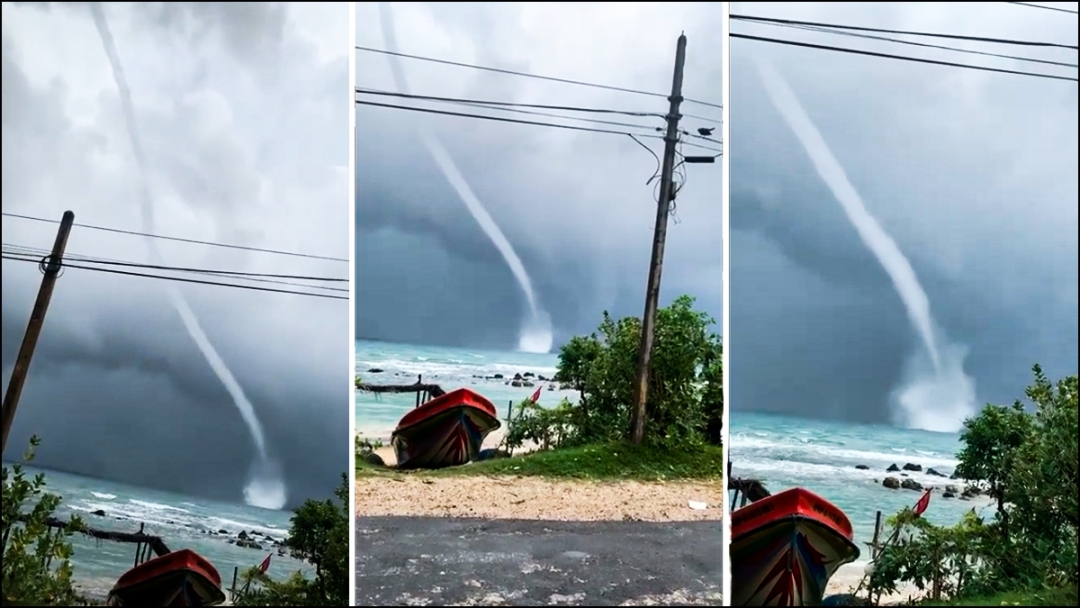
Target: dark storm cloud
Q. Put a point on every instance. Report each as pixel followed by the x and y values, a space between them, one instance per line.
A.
pixel 245 128
pixel 973 174
pixel 574 205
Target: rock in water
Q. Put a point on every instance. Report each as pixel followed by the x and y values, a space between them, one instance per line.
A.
pixel 892 483
pixel 862 467
pixel 911 484
pixel 892 468
pixel 917 468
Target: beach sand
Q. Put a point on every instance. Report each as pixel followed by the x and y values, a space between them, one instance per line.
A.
pixel 534 497
pixel 849 576
pixel 537 498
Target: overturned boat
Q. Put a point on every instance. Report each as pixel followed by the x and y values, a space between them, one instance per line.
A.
pixel 445 431
pixel 786 547
pixel 180 578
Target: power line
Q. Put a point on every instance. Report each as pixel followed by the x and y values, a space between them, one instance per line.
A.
pixel 38 253
pixel 826 30
pixel 900 57
pixel 233 273
pixel 527 75
pixel 905 32
pixel 517 121
pixel 480 104
pixel 181 240
pixel 504 103
pixel 496 118
pixel 18 258
pixel 1049 8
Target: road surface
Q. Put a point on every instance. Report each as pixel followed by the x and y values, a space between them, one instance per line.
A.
pixel 438 561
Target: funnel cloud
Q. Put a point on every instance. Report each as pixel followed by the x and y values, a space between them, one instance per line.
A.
pixel 210 121
pixel 573 209
pixel 971 175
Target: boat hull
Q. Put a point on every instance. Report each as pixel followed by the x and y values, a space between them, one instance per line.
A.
pixel 444 432
pixel 180 578
pixel 785 548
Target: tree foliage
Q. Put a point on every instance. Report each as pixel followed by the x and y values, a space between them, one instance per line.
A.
pixel 36 559
pixel 685 402
pixel 319 534
pixel 1026 459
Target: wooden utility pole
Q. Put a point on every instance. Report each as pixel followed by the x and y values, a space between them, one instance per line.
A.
pixel 652 290
pixel 50 267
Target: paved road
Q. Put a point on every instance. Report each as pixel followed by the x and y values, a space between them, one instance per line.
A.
pixel 435 561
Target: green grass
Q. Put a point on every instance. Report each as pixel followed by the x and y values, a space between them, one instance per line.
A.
pixel 1042 597
pixel 598 462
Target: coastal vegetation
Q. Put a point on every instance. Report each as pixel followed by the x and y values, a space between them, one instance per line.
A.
pixel 1024 457
pixel 589 438
pixel 37 567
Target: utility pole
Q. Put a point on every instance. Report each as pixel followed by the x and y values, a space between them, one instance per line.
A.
pixel 652 290
pixel 50 267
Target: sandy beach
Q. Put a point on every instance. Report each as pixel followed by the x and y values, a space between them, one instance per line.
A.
pixel 538 498
pixel 523 497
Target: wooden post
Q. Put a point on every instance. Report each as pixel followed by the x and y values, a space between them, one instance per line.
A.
pixel 656 263
pixel 235 574
pixel 509 412
pixel 50 267
pixel 874 549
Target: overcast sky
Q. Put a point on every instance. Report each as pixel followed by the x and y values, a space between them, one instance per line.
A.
pixel 244 120
pixel 575 206
pixel 973 174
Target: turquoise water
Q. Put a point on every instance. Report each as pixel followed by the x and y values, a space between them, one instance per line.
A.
pixel 181 522
pixel 377 415
pixel 821 456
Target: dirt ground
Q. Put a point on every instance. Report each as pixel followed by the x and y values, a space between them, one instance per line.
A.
pixel 537 498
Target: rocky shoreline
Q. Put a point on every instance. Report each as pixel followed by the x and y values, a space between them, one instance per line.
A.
pixel 244 539
pixel 958 489
pixel 518 380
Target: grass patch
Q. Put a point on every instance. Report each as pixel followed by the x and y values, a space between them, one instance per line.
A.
pixel 1041 597
pixel 618 461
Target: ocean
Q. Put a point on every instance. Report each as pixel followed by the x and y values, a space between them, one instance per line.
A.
pixel 821 456
pixel 450 368
pixel 181 522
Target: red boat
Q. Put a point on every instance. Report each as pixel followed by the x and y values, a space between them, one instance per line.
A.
pixel 786 547
pixel 180 578
pixel 444 432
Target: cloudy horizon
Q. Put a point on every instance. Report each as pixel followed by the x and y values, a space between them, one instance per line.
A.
pixel 574 206
pixel 972 173
pixel 242 114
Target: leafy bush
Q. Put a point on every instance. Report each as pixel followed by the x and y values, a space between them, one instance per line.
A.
pixel 685 402
pixel 30 576
pixel 1027 462
pixel 319 534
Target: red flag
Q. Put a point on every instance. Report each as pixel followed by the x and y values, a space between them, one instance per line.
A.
pixel 265 565
pixel 922 504
pixel 536 396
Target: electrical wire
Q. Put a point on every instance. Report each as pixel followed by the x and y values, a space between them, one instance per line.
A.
pixel 527 75
pixel 899 57
pixel 858 28
pixel 514 121
pixel 480 104
pixel 38 253
pixel 113 262
pixel 15 257
pixel 826 30
pixel 503 103
pixel 180 240
pixel 1049 8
